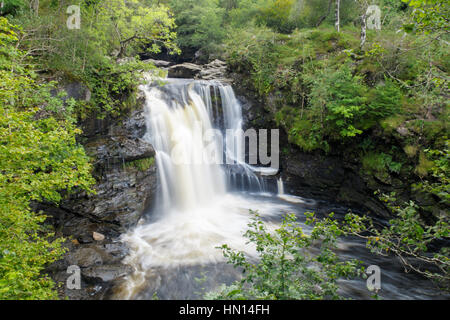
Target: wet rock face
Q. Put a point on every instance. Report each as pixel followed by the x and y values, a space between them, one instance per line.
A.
pixel 124 188
pixel 127 149
pixel 121 197
pixel 158 63
pixel 125 172
pixel 329 178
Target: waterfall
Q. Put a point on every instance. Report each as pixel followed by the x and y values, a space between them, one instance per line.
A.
pixel 202 203
pixel 289 197
pixel 176 116
pixel 179 114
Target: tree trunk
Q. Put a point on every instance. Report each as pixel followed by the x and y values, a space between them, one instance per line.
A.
pixel 35 6
pixel 337 19
pixel 326 15
pixel 363 30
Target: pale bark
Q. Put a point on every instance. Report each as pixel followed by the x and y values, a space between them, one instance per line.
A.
pixel 337 18
pixel 363 30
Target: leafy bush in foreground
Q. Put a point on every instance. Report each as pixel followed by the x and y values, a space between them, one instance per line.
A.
pixel 291 264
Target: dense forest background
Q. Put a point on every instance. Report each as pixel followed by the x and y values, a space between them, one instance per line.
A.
pixel 378 98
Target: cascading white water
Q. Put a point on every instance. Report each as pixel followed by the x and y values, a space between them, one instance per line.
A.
pixel 280 186
pixel 242 174
pixel 291 198
pixel 178 115
pixel 175 126
pixel 195 212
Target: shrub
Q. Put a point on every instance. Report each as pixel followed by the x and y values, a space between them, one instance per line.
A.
pixel 379 163
pixel 285 268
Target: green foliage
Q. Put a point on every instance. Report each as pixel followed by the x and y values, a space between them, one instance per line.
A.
pixel 341 107
pixel 439 182
pixel 11 6
pixel 409 238
pixel 380 163
pixel 137 23
pixel 338 102
pixel 324 101
pixel 141 164
pixel 39 157
pixel 410 150
pixel 24 250
pixel 204 24
pixel 98 53
pixel 423 166
pixel 276 15
pixel 391 123
pixel 429 16
pixel 286 267
pixel 385 100
pixel 114 85
pixel 199 24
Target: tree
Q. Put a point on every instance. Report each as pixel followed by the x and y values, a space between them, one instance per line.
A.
pixel 133 22
pixel 322 18
pixel 199 24
pixel 39 157
pixel 362 6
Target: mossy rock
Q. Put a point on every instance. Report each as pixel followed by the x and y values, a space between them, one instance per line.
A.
pixel 141 164
pixel 431 129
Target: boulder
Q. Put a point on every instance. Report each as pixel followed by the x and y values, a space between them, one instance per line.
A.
pixel 215 70
pixel 185 70
pixel 106 273
pixel 100 267
pixel 77 90
pixel 158 63
pixel 98 236
pixel 85 257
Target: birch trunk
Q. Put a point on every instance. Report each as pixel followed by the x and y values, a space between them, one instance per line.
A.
pixel 363 30
pixel 337 18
